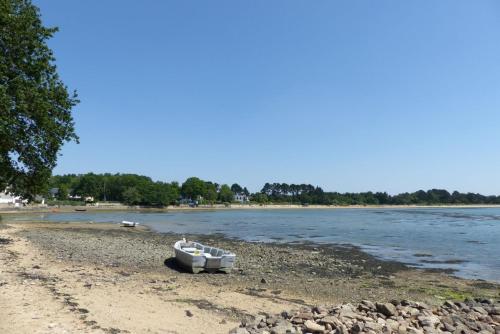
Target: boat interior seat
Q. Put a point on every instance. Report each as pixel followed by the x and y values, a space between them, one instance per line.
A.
pixel 189 249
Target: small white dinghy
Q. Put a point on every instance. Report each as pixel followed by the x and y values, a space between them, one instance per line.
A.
pixel 129 224
pixel 197 257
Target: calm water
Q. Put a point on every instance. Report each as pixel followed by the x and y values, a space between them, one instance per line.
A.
pixel 466 240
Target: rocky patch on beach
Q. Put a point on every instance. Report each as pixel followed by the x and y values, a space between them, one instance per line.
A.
pixel 299 273
pixel 470 316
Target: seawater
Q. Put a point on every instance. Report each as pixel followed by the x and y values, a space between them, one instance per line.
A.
pixel 464 240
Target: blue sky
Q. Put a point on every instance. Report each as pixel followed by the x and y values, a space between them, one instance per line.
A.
pixel 350 95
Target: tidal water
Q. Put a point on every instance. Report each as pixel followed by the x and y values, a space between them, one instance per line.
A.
pixel 464 240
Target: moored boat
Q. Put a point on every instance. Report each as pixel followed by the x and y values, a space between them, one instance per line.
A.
pixel 196 257
pixel 129 224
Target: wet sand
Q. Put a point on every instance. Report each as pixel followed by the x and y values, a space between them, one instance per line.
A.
pixel 81 277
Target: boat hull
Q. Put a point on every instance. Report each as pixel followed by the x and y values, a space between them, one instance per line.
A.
pixel 196 257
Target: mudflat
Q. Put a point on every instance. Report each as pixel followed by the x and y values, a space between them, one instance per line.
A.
pixel 91 278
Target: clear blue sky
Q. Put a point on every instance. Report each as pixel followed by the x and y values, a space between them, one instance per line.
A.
pixel 350 95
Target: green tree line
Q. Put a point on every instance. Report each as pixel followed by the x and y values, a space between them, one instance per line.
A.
pixel 306 193
pixel 135 189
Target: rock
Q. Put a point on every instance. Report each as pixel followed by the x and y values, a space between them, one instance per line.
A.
pixel 412 330
pixel 386 309
pixel 393 325
pixel 239 330
pixel 450 305
pixel 263 281
pixel 189 313
pixel 479 309
pixel 428 321
pixel 357 327
pixel 282 327
pixel 331 320
pixel 368 304
pixel 314 327
pixel 399 318
pixel 373 326
pixel 495 310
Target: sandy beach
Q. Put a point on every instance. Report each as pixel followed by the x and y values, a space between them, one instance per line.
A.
pixel 92 278
pixel 99 207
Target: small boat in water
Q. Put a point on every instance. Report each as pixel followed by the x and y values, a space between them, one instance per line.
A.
pixel 197 257
pixel 81 210
pixel 129 224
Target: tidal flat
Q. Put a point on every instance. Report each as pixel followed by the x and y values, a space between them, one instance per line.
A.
pixel 112 279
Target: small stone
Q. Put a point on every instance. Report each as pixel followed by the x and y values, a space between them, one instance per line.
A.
pixel 314 327
pixel 189 313
pixel 386 309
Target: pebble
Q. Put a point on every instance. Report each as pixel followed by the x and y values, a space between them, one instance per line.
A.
pixel 405 317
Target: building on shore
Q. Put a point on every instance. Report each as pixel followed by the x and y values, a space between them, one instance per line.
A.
pixel 9 199
pixel 241 197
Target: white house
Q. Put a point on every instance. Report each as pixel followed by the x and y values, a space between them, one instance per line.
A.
pixel 6 198
pixel 240 197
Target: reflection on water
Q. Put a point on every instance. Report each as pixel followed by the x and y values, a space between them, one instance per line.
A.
pixel 465 240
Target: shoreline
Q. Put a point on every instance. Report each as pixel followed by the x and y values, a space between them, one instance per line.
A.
pixel 221 207
pixel 104 278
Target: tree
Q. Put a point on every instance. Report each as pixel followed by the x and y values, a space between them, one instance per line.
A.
pixel 62 193
pixel 225 193
pixel 131 196
pixel 210 193
pixel 35 105
pixel 260 198
pixel 236 188
pixel 193 188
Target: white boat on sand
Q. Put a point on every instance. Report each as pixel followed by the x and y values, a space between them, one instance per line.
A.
pixel 197 257
pixel 129 224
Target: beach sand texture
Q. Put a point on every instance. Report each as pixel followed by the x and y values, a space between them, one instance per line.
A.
pixel 92 278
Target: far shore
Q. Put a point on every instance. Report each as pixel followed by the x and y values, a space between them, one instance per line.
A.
pixel 120 207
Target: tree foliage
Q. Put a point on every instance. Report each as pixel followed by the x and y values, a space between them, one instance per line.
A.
pixel 35 105
pixel 226 194
pixel 193 188
pixel 135 189
pixel 130 189
pixel 306 193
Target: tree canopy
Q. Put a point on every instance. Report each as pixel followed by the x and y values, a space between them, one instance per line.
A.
pixel 35 105
pixel 130 189
pixel 135 189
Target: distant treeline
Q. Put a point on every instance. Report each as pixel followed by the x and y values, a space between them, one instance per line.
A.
pixel 135 189
pixel 306 193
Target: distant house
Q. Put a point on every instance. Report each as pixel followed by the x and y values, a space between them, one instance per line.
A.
pixel 240 197
pixel 6 198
